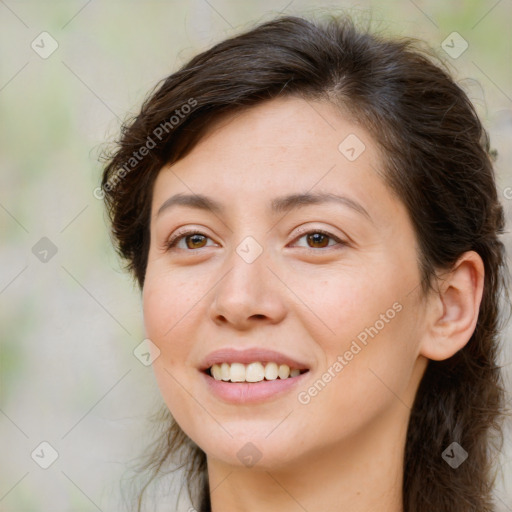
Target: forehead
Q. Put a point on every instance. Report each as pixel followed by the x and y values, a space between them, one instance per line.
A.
pixel 289 126
pixel 284 145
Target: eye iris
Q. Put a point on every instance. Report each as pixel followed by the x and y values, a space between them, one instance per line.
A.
pixel 197 239
pixel 318 238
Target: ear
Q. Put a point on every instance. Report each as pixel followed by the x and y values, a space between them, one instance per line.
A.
pixel 454 308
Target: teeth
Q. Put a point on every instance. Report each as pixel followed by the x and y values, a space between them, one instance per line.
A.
pixel 271 371
pixel 253 372
pixel 284 371
pixel 216 372
pixel 237 372
pixel 224 371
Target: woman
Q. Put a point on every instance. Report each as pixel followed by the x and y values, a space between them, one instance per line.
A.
pixel 311 214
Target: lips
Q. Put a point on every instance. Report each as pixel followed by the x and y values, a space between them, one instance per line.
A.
pixel 230 355
pixel 253 392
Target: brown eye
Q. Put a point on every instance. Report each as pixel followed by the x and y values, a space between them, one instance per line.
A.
pixel 195 241
pixel 188 240
pixel 318 240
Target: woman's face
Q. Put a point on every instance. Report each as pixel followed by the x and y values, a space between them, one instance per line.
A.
pixel 330 283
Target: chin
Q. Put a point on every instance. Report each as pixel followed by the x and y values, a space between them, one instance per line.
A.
pixel 249 457
pixel 253 453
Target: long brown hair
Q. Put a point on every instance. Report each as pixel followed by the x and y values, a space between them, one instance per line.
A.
pixel 438 163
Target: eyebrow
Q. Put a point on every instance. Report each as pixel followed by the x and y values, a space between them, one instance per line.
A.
pixel 278 205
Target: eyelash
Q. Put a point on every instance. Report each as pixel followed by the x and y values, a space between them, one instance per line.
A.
pixel 172 242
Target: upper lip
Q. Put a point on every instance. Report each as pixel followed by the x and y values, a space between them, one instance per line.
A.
pixel 231 355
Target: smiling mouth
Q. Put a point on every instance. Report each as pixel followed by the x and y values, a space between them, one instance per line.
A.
pixel 253 372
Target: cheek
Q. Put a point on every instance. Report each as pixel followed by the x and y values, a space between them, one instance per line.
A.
pixel 359 383
pixel 168 298
pixel 349 302
pixel 368 349
pixel 168 308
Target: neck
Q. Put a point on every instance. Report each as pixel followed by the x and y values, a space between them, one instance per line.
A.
pixel 359 474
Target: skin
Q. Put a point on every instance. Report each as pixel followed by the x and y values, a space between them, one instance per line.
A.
pixel 343 449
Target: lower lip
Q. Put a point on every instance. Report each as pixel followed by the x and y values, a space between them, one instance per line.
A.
pixel 251 392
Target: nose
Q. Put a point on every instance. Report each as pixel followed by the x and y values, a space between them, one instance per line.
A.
pixel 248 294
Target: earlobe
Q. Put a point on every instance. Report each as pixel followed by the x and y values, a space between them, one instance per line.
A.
pixel 454 308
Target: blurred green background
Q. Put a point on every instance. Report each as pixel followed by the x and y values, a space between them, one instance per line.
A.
pixel 70 318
